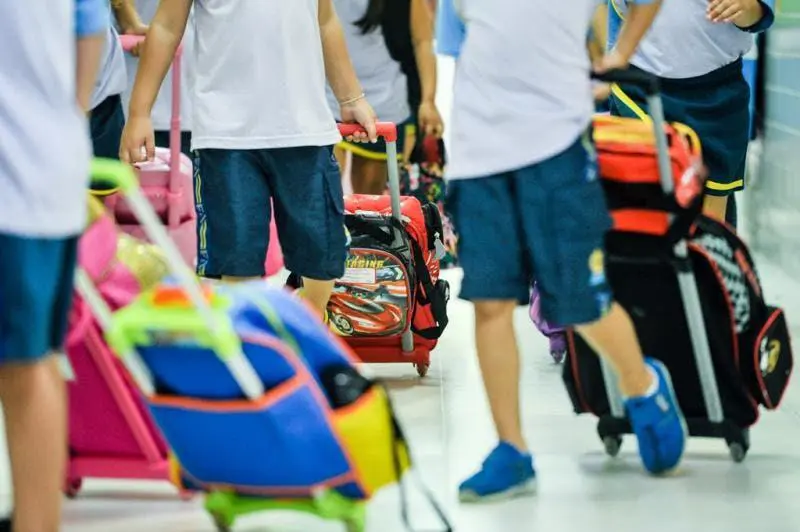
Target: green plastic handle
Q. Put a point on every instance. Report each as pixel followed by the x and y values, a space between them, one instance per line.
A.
pixel 113 172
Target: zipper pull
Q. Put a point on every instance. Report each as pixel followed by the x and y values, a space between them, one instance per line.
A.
pixel 439 247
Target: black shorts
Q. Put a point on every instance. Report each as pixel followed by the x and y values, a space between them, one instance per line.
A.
pixel 716 107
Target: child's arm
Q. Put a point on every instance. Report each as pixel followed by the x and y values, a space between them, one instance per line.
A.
pixel 163 38
pixel 450 30
pixel 128 18
pixel 749 15
pixel 91 23
pixel 641 14
pixel 341 74
pixel 422 35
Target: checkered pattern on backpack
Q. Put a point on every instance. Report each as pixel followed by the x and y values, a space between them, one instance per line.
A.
pixel 732 275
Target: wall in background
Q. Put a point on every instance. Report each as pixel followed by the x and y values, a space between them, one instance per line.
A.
pixel 773 193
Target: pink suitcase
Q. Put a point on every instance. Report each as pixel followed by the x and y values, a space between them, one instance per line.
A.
pixel 166 181
pixel 111 433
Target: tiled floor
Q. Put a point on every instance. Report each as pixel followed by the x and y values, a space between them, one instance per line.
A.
pixel 580 489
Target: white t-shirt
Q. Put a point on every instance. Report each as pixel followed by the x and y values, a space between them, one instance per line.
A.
pixel 260 76
pixel 111 76
pixel 44 137
pixel 683 43
pixel 381 76
pixel 162 109
pixel 522 89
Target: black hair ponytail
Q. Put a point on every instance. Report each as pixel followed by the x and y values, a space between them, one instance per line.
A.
pixel 373 17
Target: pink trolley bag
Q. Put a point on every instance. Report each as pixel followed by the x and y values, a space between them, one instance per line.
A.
pixel 111 432
pixel 166 180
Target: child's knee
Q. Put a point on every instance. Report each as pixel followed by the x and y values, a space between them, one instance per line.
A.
pixel 493 310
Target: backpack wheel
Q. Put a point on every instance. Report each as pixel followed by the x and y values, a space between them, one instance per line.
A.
pixel 73 487
pixel 612 445
pixel 737 451
pixel 422 369
pixel 222 524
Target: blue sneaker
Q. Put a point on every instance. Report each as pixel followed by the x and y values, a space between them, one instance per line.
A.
pixel 658 423
pixel 504 474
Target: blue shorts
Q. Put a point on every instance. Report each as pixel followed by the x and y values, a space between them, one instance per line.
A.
pixel 547 221
pixel 233 189
pixel 36 283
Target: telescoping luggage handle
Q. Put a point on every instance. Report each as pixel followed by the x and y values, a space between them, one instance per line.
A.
pixel 685 274
pixel 388 131
pixel 128 43
pixel 232 356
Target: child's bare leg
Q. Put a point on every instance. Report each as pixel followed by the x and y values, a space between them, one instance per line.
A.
pixel 368 175
pixel 317 293
pixel 650 400
pixel 499 361
pixel 34 405
pixel 614 338
pixel 715 207
pixel 231 279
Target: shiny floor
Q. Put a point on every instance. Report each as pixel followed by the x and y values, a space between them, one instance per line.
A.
pixel 580 488
pixel 448 423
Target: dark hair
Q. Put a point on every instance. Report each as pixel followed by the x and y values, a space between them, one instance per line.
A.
pixel 372 18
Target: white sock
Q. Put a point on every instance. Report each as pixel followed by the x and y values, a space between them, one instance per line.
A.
pixel 653 389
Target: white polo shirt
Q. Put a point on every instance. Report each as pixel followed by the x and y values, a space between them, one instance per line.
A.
pixel 260 76
pixel 522 90
pixel 44 137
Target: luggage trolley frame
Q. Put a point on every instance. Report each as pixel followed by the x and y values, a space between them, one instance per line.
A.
pixel 611 427
pixel 223 506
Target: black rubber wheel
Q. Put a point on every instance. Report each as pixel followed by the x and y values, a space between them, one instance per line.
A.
pixel 612 445
pixel 737 451
pixel 72 488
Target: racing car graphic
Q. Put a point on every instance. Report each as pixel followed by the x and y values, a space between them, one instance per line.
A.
pixel 357 316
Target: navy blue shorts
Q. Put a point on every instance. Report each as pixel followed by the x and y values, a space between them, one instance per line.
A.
pixel 547 221
pixel 716 107
pixel 233 190
pixel 36 283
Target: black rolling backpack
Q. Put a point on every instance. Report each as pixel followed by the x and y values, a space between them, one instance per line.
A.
pixel 689 284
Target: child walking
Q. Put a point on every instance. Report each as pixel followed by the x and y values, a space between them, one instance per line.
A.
pixel 262 130
pixel 696 48
pixel 520 154
pixel 394 97
pixel 42 211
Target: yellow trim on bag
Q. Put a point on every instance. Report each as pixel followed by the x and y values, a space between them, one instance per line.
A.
pixel 629 103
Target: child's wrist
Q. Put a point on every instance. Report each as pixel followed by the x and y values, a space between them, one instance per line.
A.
pixel 343 102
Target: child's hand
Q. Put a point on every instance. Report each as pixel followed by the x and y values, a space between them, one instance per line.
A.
pixel 138 141
pixel 360 112
pixel 429 120
pixel 613 60
pixel 743 13
pixel 601 91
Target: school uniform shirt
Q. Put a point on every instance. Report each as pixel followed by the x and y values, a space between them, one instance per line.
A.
pixel 111 76
pixel 162 108
pixel 44 137
pixel 522 89
pixel 259 76
pixel 682 42
pixel 380 75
